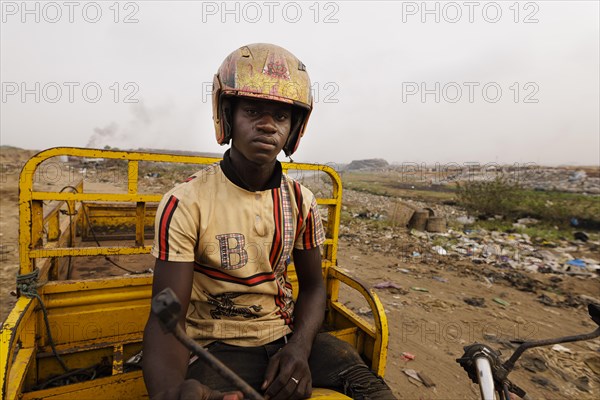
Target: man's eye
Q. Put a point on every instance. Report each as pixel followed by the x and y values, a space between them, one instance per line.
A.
pixel 251 112
pixel 282 117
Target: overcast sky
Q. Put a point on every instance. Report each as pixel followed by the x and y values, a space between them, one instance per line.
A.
pixel 431 82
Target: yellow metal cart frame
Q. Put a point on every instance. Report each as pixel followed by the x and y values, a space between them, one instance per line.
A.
pixel 102 319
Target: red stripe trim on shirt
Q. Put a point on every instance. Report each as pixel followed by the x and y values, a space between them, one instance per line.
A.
pixel 308 231
pixel 277 234
pixel 219 275
pixel 163 233
pixel 298 196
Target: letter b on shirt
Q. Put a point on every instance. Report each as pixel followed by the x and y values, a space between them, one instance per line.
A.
pixel 233 254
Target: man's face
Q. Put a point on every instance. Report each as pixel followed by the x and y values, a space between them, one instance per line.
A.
pixel 260 128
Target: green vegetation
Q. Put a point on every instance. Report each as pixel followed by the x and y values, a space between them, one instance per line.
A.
pixel 500 197
pixel 390 184
pixel 509 201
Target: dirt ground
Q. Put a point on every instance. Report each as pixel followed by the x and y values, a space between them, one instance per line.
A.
pixel 427 315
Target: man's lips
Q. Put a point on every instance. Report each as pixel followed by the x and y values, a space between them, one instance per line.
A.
pixel 266 142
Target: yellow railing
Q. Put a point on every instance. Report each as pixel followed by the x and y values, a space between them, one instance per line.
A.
pixel 31 227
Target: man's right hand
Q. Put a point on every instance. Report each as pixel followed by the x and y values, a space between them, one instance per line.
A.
pixel 191 389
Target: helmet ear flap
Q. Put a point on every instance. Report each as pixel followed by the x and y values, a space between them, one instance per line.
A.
pixel 227 117
pixel 298 120
pixel 217 112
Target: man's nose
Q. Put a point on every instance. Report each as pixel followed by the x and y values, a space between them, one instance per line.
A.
pixel 266 123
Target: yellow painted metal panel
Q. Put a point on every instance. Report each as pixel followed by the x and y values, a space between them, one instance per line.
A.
pixel 123 387
pixel 320 393
pixel 88 251
pixel 18 372
pixel 124 197
pixel 140 211
pixel 54 226
pixel 37 222
pixel 104 322
pixel 18 329
pixel 98 297
pixel 132 177
pixel 123 282
pixel 355 318
pixel 93 344
pixel 117 364
pixel 379 316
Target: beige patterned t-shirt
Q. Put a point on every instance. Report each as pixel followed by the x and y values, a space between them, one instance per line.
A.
pixel 241 243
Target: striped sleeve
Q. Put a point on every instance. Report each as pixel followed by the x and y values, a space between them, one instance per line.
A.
pixel 175 231
pixel 310 232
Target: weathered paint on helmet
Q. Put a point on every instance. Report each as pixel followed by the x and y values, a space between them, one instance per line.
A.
pixel 264 71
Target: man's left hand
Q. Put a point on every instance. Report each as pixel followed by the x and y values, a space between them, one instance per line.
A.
pixel 288 375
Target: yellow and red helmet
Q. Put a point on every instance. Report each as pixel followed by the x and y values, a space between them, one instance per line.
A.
pixel 263 71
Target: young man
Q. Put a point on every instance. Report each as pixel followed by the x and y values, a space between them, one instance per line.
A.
pixel 223 242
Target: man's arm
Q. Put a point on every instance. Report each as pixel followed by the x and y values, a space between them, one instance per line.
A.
pixel 292 360
pixel 165 359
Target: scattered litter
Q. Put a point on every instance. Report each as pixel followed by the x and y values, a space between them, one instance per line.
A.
pixel 577 263
pixel 419 289
pixel 440 250
pixel 534 364
pixel 527 221
pixel 465 220
pixel 577 176
pixel 561 349
pixel 594 364
pixel 365 311
pixel 416 254
pixel 489 282
pixel 574 221
pixel 426 380
pixel 544 382
pixel 387 285
pixel 413 374
pixel 406 356
pixel 581 236
pixel 546 300
pixel 440 279
pixel 501 302
pixel 516 225
pixel 420 235
pixel 404 270
pixel 475 301
pixel 582 383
